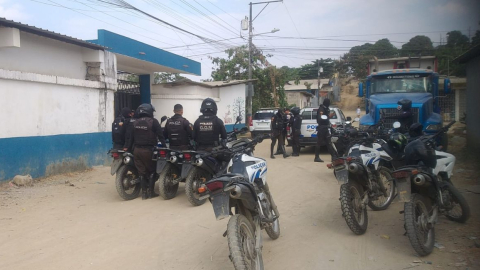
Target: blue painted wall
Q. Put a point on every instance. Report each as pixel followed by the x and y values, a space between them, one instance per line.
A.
pixel 123 45
pixel 42 155
pixel 145 96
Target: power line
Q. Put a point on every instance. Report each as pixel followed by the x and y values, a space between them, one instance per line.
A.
pixel 285 5
pixel 215 15
pixel 223 10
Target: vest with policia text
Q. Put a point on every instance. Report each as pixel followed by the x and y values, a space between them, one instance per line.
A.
pixel 176 131
pixel 143 134
pixel 208 130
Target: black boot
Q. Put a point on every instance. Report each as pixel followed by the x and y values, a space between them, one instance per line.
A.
pixel 151 188
pixel 285 155
pixel 332 151
pixel 317 154
pixel 143 185
pixel 271 151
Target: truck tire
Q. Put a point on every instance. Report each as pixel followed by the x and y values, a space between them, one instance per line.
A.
pixel 165 187
pixel 125 174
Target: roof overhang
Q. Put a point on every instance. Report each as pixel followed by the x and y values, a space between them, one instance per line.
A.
pixel 213 84
pixel 402 59
pixel 136 57
pixel 472 53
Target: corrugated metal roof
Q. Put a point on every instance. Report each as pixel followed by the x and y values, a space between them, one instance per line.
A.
pixel 49 34
pixel 291 86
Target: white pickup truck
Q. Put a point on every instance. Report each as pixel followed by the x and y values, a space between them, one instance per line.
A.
pixel 309 124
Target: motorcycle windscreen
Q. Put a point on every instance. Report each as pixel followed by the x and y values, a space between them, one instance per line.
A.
pixel 221 205
pixel 161 165
pixel 404 188
pixel 341 174
pixel 115 165
pixel 186 167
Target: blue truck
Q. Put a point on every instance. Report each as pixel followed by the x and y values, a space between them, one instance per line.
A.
pixel 385 88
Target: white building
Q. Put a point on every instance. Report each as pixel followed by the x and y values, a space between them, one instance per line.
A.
pixel 57 94
pixel 422 62
pixel 229 96
pixel 304 93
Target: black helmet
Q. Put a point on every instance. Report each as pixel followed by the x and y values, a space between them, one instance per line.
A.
pixel 295 110
pixel 404 104
pixel 326 102
pixel 145 109
pixel 209 105
pixel 415 130
pixel 397 142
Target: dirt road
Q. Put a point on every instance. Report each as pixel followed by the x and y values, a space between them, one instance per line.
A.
pixel 54 225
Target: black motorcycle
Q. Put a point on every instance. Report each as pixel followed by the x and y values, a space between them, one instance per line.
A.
pixel 127 180
pixel 425 194
pixel 170 170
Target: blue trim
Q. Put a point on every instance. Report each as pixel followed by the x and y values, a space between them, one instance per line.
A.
pixel 229 127
pixel 123 45
pixel 45 155
pixel 145 96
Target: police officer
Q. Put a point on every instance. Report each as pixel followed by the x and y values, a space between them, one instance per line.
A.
pixel 119 128
pixel 296 131
pixel 323 130
pixel 405 117
pixel 278 126
pixel 146 131
pixel 208 129
pixel 178 130
pixel 287 118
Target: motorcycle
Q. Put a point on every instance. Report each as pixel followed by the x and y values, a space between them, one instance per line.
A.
pixel 170 170
pixel 425 188
pixel 127 179
pixel 244 188
pixel 364 181
pixel 199 167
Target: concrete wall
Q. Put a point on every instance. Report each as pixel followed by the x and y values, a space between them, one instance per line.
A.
pixel 473 97
pixel 298 99
pixel 230 100
pixel 54 120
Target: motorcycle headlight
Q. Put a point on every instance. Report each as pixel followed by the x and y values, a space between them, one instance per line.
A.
pixel 127 159
pixel 434 127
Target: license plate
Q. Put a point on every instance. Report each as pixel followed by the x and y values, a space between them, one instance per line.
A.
pixel 221 207
pixel 341 174
pixel 404 188
pixel 115 165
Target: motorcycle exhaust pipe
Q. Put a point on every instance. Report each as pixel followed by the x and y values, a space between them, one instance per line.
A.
pixel 173 159
pixel 419 180
pixel 236 193
pixel 355 168
pixel 198 162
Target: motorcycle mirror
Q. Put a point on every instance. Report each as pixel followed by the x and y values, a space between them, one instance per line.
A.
pixel 163 118
pixel 239 119
pixel 396 125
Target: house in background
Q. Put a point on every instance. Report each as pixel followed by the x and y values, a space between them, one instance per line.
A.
pixel 60 92
pixel 472 60
pixel 423 62
pixel 229 96
pixel 305 93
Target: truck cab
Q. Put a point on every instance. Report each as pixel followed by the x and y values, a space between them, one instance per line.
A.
pixel 385 88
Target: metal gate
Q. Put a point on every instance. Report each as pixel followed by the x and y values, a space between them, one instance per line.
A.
pixel 447 105
pixel 127 95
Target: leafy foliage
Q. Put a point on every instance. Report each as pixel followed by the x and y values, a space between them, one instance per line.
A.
pixel 417 46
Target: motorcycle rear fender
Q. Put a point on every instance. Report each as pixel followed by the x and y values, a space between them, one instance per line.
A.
pixel 221 205
pixel 161 163
pixel 404 187
pixel 116 165
pixel 186 167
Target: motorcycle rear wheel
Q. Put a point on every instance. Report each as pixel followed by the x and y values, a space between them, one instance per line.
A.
pixel 383 202
pixel 419 232
pixel 124 175
pixel 192 183
pixel 241 243
pixel 354 213
pixel 165 187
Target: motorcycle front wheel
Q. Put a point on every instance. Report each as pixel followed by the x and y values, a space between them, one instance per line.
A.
pixel 241 243
pixel 125 175
pixel 420 233
pixel 354 212
pixel 192 183
pixel 166 189
pixel 382 202
pixel 459 210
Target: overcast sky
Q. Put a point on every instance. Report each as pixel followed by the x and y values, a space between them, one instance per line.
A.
pixel 337 25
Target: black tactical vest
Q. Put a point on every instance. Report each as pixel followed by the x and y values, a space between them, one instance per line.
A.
pixel 207 133
pixel 176 132
pixel 277 122
pixel 143 134
pixel 326 111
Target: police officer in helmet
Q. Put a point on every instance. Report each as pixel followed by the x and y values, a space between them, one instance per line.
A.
pixel 208 129
pixel 119 128
pixel 296 131
pixel 146 132
pixel 278 126
pixel 178 130
pixel 323 130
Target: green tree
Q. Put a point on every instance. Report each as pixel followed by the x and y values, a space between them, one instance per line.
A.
pixel 457 44
pixel 417 46
pixel 164 77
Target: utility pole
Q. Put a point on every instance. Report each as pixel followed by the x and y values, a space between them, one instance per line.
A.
pixel 275 97
pixel 250 36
